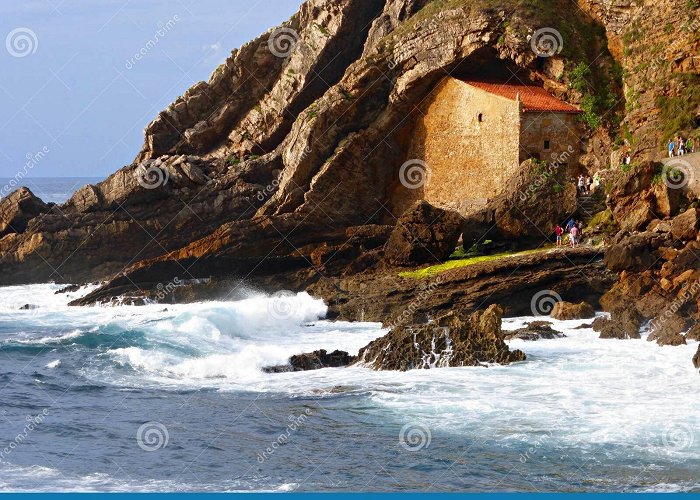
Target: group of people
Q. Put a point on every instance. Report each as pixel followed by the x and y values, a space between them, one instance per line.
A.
pixel 574 228
pixel 680 146
pixel 584 184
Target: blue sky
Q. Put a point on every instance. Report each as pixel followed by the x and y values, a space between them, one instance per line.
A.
pixel 70 88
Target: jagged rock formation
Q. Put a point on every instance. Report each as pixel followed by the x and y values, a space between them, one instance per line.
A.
pixel 453 339
pixel 566 310
pixel 313 361
pixel 535 330
pixel 17 209
pixel 294 143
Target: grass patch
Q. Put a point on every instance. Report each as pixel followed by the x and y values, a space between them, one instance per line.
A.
pixel 457 263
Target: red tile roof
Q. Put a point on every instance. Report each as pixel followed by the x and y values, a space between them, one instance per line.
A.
pixel 535 99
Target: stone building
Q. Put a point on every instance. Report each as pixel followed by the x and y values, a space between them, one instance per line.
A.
pixel 473 135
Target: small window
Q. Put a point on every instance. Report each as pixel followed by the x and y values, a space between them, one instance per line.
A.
pixel 546 145
pixel 480 117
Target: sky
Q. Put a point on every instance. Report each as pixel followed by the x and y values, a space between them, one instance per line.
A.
pixel 74 100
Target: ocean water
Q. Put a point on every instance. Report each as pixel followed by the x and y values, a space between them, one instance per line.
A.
pixel 49 189
pixel 172 397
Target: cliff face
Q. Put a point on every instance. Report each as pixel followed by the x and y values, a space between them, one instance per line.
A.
pixel 658 46
pixel 289 157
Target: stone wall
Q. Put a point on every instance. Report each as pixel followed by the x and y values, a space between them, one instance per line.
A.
pixel 469 159
pixel 561 130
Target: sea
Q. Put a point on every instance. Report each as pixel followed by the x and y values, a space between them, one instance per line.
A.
pixel 175 398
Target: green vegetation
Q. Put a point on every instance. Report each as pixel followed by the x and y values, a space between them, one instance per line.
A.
pixel 463 262
pixel 233 160
pixel 604 221
pixel 599 101
pixel 677 113
pixel 322 29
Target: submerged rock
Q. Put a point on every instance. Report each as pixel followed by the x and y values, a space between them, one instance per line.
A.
pixel 313 361
pixel 535 330
pixel 453 339
pixel 67 289
pixel 566 310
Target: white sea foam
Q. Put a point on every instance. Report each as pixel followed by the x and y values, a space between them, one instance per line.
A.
pixel 587 392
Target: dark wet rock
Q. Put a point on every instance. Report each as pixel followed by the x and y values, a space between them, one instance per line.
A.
pixel 534 330
pixel 694 332
pixel 598 323
pixel 566 310
pixel 453 339
pixel 28 307
pixel 584 326
pixel 424 234
pixel 696 359
pixel 623 324
pixel 313 361
pixel 667 329
pixel 68 289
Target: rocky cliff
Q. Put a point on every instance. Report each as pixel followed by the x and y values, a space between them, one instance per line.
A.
pixel 287 163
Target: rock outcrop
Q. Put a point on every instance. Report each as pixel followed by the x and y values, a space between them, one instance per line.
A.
pixel 17 209
pixel 566 310
pixel 453 339
pixel 294 142
pixel 535 330
pixel 313 361
pixel 424 234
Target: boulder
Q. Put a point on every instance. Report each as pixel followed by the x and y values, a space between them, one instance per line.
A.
pixel 313 361
pixel 453 339
pixel 423 234
pixel 696 359
pixel 667 329
pixel 623 324
pixel 566 310
pixel 685 226
pixel 17 209
pixel 694 332
pixel 630 253
pixel 535 330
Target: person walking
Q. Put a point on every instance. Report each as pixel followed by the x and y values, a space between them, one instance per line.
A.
pixel 559 231
pixel 690 145
pixel 580 184
pixel 589 181
pixel 681 146
pixel 671 148
pixel 573 236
